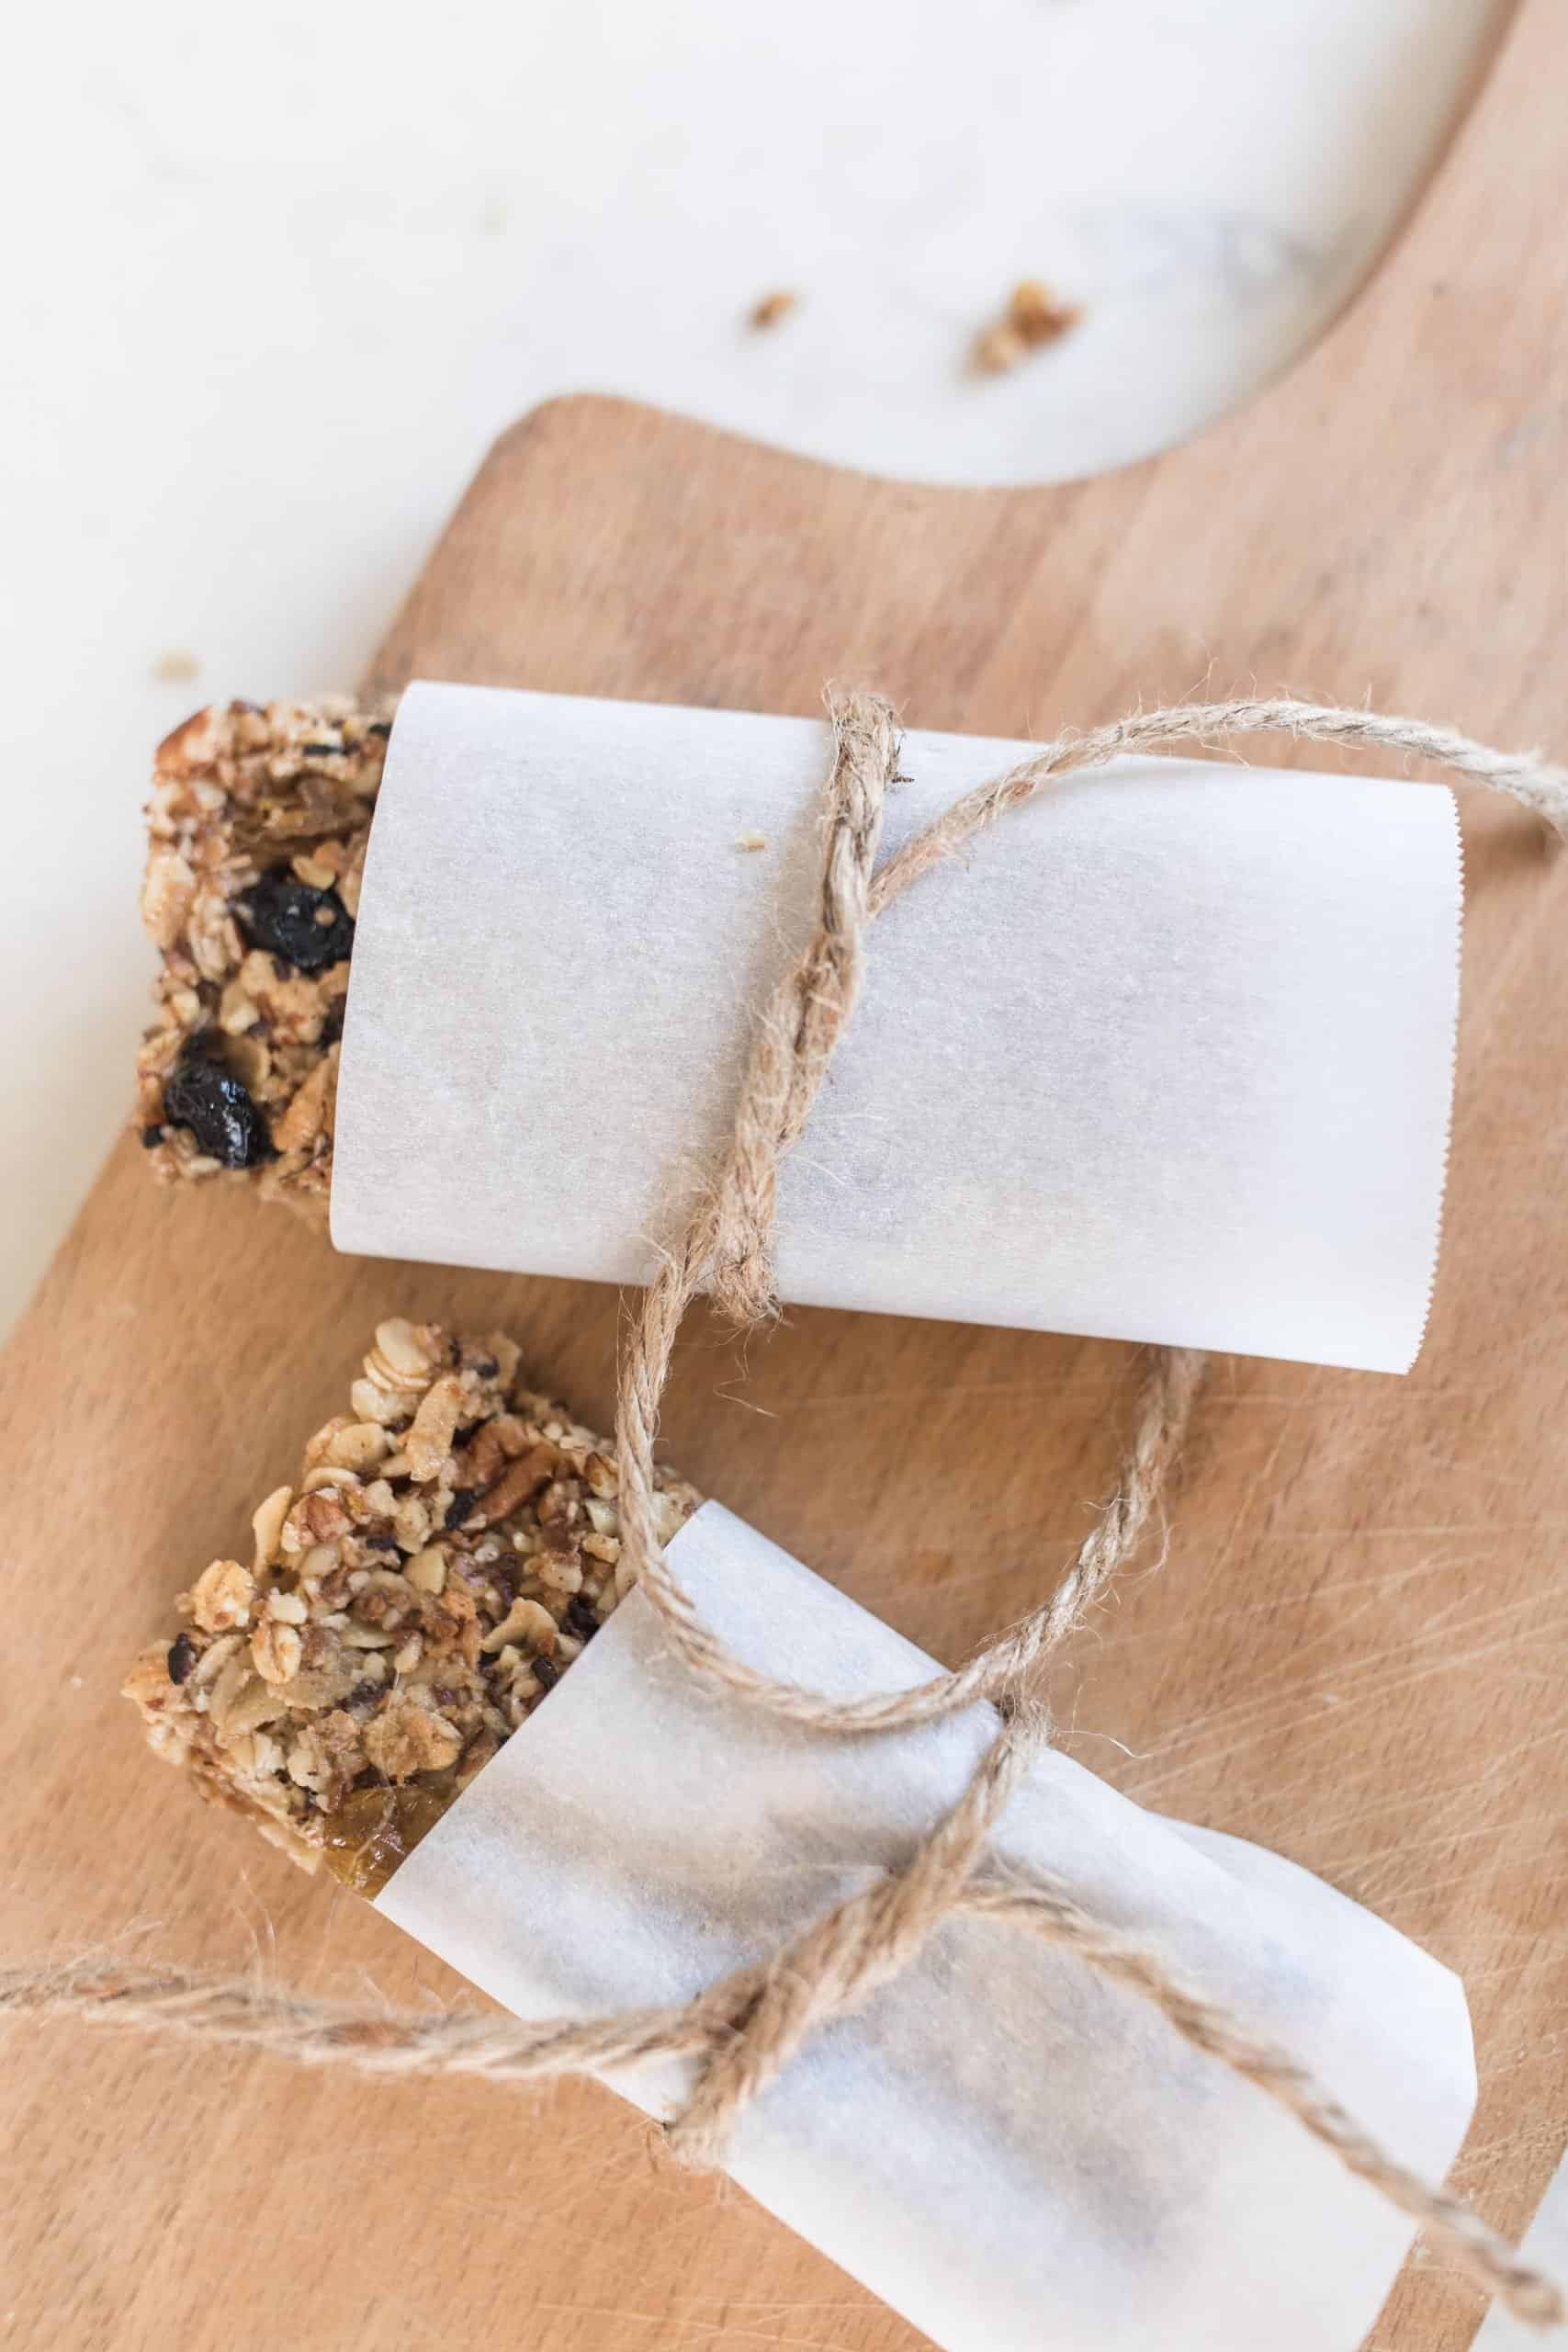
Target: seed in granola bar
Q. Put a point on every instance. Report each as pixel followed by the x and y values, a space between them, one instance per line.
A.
pixel 309 927
pixel 209 1100
pixel 182 1657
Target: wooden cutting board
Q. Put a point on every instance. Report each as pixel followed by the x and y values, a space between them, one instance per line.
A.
pixel 1355 1648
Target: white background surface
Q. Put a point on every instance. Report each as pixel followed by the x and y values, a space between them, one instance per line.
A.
pixel 273 279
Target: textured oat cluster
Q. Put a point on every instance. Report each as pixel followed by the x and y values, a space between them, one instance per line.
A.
pixel 452 1545
pixel 258 822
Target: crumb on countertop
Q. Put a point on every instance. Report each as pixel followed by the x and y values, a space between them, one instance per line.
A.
pixel 771 309
pixel 1034 318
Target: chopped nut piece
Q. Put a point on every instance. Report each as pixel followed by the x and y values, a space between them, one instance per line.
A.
pixel 603 1474
pixel 310 1112
pixel 321 1514
pixel 768 311
pixel 998 348
pixel 167 887
pixel 427 1570
pixel 411 1523
pixel 1036 316
pixel 1033 317
pixel 523 1480
pixel 526 1620
pixel 406 1738
pixel 344 1691
pixel 236 1011
pixel 429 1441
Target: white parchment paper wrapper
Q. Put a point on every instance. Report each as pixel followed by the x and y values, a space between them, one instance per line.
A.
pixel 1010 2152
pixel 1167 1056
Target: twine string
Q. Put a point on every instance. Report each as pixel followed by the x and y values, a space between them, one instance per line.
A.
pixel 727 1248
pixel 727 1251
pixel 740 2034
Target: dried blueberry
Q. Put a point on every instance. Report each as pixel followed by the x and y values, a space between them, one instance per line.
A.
pixel 208 1100
pixel 182 1657
pixel 462 1502
pixel 580 1618
pixel 545 1671
pixel 289 918
pixel 151 1136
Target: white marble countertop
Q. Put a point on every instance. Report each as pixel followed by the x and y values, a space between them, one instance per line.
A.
pixel 275 279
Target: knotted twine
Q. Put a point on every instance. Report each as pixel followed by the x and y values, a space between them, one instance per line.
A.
pixel 743 2032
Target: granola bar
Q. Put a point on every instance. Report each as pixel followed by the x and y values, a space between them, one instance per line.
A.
pixel 452 1545
pixel 258 822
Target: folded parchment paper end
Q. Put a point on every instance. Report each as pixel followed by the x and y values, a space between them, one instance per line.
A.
pixel 1167 1056
pixel 1006 2149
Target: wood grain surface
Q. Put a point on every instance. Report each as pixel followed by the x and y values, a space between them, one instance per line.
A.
pixel 1355 1646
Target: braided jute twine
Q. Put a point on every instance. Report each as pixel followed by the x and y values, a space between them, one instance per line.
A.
pixel 741 2032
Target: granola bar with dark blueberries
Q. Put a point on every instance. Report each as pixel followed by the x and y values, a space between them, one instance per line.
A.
pixel 257 827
